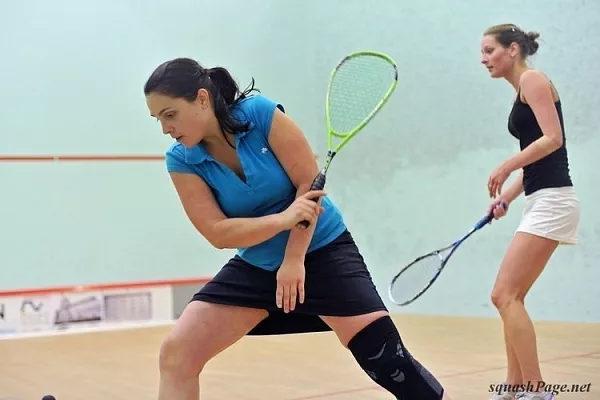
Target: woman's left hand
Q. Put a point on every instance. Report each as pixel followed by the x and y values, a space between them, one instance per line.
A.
pixel 497 179
pixel 290 285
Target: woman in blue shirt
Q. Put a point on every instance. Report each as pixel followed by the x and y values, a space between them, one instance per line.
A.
pixel 243 169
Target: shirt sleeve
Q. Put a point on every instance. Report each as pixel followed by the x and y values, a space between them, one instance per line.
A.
pixel 262 110
pixel 175 160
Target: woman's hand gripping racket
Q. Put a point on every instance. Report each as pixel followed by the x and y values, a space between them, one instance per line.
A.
pixel 359 86
pixel 418 276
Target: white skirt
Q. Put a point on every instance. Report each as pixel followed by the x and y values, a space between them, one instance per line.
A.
pixel 552 213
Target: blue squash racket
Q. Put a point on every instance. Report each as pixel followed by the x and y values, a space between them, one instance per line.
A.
pixel 418 276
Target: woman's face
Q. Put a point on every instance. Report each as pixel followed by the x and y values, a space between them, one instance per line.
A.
pixel 181 119
pixel 497 59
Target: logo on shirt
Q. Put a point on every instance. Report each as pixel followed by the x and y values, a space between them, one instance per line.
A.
pixel 263 150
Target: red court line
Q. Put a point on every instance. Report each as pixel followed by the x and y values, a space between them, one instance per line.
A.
pixel 466 373
pixel 80 158
pixel 101 287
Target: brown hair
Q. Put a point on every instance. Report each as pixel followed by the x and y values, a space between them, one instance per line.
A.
pixel 506 34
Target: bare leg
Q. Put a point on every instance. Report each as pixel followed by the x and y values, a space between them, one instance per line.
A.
pixel 202 331
pixel 513 370
pixel 347 327
pixel 514 375
pixel 524 261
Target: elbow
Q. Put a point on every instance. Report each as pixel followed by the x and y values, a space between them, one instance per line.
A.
pixel 215 236
pixel 551 143
pixel 222 239
pixel 218 242
pixel 556 141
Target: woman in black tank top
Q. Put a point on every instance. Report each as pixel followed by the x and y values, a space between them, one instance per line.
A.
pixel 551 215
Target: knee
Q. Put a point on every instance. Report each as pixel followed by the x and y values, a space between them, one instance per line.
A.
pixel 502 297
pixel 380 352
pixel 175 358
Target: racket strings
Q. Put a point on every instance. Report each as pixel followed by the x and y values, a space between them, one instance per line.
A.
pixel 415 279
pixel 357 87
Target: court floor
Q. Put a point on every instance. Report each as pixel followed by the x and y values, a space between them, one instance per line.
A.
pixel 465 353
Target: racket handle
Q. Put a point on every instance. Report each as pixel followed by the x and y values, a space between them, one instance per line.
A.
pixel 318 184
pixel 484 221
pixel 488 218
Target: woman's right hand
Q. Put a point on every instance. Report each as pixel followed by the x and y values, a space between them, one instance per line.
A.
pixel 303 208
pixel 499 208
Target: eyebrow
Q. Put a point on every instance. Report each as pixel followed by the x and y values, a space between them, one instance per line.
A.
pixel 161 111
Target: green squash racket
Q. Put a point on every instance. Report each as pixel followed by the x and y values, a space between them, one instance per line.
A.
pixel 359 86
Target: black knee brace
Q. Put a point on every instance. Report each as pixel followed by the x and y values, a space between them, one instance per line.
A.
pixel 380 352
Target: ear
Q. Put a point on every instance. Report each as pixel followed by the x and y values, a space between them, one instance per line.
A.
pixel 203 98
pixel 514 49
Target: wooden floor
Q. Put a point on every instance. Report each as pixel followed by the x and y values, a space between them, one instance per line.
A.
pixel 466 354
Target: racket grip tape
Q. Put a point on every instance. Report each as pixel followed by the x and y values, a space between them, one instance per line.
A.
pixel 488 218
pixel 318 184
pixel 484 221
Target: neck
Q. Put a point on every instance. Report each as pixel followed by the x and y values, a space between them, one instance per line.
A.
pixel 514 78
pixel 215 137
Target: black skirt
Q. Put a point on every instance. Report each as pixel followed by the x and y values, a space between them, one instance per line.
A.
pixel 337 283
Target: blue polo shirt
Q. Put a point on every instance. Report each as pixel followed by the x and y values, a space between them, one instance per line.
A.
pixel 267 190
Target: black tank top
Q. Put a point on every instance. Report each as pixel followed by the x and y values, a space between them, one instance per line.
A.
pixel 550 171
